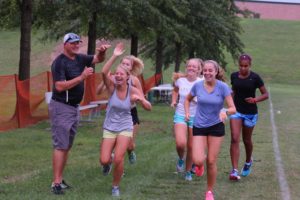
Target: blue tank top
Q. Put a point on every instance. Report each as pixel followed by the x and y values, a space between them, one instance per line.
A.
pixel 118 116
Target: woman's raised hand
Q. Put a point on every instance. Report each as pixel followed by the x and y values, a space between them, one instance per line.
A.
pixel 119 49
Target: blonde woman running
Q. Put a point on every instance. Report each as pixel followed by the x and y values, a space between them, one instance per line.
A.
pixel 182 128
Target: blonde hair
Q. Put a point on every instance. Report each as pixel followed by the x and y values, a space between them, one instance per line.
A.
pixel 220 71
pixel 124 68
pixel 177 75
pixel 136 63
pixel 199 61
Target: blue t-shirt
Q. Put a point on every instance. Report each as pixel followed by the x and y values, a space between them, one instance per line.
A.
pixel 209 104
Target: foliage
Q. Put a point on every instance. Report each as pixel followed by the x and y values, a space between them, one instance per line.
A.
pixel 195 28
pixel 10 14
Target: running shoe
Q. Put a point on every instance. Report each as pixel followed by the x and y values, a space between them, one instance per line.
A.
pixel 199 171
pixel 193 170
pixel 180 165
pixel 132 157
pixel 246 169
pixel 56 189
pixel 115 191
pixel 188 176
pixel 106 169
pixel 234 175
pixel 209 195
pixel 64 185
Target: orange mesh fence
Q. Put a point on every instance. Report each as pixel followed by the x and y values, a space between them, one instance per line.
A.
pixel 8 100
pixel 150 82
pixel 23 102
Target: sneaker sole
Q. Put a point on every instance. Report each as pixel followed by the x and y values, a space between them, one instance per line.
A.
pixel 246 174
pixel 234 178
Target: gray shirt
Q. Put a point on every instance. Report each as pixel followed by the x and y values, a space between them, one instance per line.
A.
pixel 118 116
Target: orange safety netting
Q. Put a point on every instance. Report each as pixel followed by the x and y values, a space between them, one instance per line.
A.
pixel 23 102
pixel 150 82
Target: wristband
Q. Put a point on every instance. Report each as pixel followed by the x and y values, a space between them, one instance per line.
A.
pixel 225 110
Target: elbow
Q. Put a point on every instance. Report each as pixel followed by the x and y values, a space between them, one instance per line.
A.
pixel 233 110
pixel 267 95
pixel 149 107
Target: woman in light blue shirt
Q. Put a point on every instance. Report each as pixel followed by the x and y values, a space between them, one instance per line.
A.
pixel 208 126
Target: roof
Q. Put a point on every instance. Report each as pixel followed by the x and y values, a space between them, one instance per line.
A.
pixel 276 1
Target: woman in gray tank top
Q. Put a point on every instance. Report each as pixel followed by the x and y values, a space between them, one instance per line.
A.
pixel 118 126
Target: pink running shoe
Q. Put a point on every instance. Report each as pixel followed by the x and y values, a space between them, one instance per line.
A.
pixel 209 195
pixel 199 171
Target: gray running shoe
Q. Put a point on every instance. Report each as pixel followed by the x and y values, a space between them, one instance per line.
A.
pixel 115 191
pixel 132 157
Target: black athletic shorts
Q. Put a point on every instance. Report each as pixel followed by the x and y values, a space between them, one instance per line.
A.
pixel 217 130
pixel 134 115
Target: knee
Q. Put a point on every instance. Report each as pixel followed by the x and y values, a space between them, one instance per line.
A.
pixel 211 162
pixel 104 161
pixel 235 140
pixel 247 141
pixel 199 160
pixel 180 145
pixel 131 146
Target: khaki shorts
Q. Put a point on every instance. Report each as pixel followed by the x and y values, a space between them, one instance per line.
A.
pixel 113 135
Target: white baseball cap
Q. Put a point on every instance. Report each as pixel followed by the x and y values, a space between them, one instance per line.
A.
pixel 71 37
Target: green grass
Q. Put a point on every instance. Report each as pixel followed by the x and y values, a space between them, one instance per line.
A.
pixel 25 170
pixel 10 52
pixel 274 47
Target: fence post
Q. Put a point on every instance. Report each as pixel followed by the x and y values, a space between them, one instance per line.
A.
pixel 48 81
pixel 17 102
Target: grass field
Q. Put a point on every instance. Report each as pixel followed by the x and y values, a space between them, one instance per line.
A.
pixel 25 168
pixel 25 165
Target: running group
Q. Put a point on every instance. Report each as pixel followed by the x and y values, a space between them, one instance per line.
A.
pixel 201 98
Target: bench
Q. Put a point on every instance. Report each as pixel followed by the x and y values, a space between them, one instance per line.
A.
pixel 90 107
pixel 99 103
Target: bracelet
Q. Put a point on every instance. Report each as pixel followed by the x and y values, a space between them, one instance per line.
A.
pixel 225 110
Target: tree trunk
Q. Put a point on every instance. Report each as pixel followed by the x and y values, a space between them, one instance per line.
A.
pixel 90 87
pixel 92 34
pixel 177 56
pixel 134 45
pixel 159 56
pixel 25 41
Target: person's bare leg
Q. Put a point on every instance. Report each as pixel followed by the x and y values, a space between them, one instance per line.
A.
pixel 121 146
pixel 247 139
pixel 235 127
pixel 213 149
pixel 59 159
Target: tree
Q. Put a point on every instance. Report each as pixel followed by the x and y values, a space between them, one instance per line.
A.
pixel 18 13
pixel 25 41
pixel 203 29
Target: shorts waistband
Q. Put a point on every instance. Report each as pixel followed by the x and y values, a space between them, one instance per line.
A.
pixel 64 102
